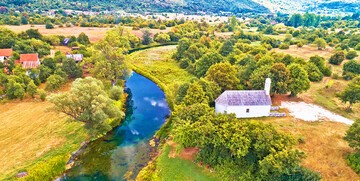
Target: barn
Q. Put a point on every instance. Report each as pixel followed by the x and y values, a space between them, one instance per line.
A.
pixel 245 103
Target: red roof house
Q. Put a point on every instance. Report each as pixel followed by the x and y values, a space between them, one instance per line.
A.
pixel 29 60
pixel 29 57
pixel 31 64
pixel 5 54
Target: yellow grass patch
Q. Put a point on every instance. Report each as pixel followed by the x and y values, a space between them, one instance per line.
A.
pixel 29 133
pixel 306 51
pixel 325 149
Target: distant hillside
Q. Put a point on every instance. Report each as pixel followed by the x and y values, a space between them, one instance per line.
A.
pixel 316 6
pixel 187 6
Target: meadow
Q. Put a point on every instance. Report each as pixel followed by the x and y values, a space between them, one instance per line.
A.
pixel 35 135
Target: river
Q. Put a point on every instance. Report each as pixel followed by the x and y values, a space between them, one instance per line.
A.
pixel 123 152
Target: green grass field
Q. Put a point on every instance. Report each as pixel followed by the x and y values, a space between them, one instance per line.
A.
pixel 180 169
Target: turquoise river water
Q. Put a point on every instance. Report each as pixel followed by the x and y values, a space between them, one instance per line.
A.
pixel 123 152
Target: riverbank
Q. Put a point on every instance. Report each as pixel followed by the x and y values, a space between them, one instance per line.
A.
pixel 157 65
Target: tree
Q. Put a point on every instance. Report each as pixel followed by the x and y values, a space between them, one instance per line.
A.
pixel 205 62
pixel 54 82
pixel 88 103
pixel 337 58
pixel 299 80
pixel 279 78
pixel 314 73
pixel 83 39
pixel 31 89
pixel 14 89
pixel 109 63
pixel 183 46
pixel 351 55
pixel 233 22
pixel 146 36
pixel 296 20
pixel 352 135
pixel 70 67
pixel 116 93
pixel 257 78
pixel 224 74
pixel 162 38
pixel 24 21
pixel 320 63
pixel 195 94
pixel 320 43
pixel 351 93
pixel 226 48
pixel 49 25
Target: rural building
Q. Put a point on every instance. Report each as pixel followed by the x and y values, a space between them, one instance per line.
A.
pixel 245 103
pixel 66 41
pixel 76 57
pixel 5 54
pixel 29 61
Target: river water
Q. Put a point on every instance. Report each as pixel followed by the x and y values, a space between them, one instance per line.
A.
pixel 126 150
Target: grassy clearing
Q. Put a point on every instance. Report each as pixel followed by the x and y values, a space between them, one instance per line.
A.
pixel 306 51
pixel 30 135
pixel 323 144
pixel 180 169
pixel 325 97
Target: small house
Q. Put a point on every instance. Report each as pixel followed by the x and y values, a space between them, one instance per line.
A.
pixel 5 54
pixel 29 61
pixel 66 41
pixel 245 103
pixel 76 57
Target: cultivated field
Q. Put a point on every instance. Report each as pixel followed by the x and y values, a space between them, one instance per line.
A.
pixel 29 134
pixel 93 33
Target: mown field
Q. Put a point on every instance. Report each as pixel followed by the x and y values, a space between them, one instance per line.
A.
pixel 321 141
pixel 93 33
pixel 29 134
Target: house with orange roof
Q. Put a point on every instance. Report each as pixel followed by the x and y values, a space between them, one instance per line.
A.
pixel 5 54
pixel 29 61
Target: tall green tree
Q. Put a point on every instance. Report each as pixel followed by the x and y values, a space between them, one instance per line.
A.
pixel 351 94
pixel 299 80
pixel 146 36
pixel 224 74
pixel 88 103
pixel 195 94
pixel 279 78
pixel 109 62
pixel 320 43
pixel 206 61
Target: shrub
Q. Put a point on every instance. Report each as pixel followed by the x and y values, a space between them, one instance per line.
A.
pixel 162 27
pixel 284 46
pixel 337 58
pixel 42 94
pixel 299 44
pixel 116 93
pixel 54 82
pixel 351 55
pixel 353 160
pixel 49 25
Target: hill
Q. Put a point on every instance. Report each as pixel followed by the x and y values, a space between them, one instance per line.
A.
pixel 159 6
pixel 315 6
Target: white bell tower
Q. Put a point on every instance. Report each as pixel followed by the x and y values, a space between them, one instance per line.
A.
pixel 267 86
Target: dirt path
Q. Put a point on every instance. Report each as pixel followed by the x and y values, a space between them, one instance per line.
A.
pixel 311 112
